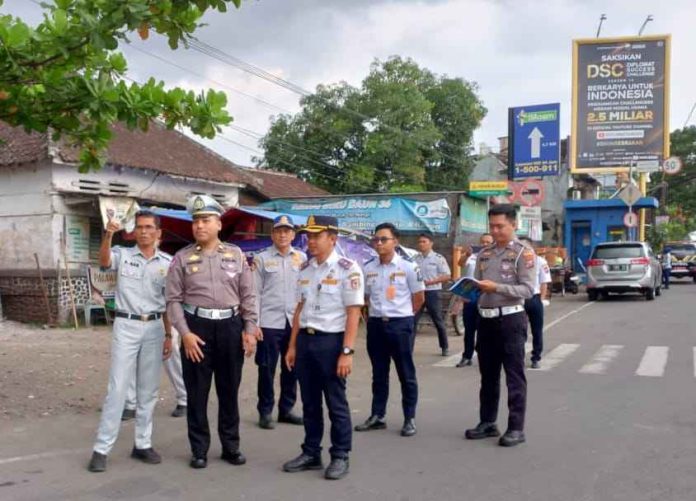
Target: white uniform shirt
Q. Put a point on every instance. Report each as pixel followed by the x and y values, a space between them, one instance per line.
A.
pixel 543 274
pixel 327 289
pixel 140 282
pixel 275 277
pixel 432 266
pixel 405 279
pixel 470 266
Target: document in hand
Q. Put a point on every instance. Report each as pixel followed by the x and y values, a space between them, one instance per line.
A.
pixel 467 288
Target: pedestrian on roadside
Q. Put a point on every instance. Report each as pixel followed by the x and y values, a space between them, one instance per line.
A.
pixel 435 272
pixel 505 272
pixel 211 301
pixel 666 266
pixel 276 270
pixel 470 310
pixel 394 292
pixel 325 324
pixel 141 336
pixel 534 306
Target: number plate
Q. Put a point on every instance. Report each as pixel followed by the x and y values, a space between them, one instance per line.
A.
pixel 618 267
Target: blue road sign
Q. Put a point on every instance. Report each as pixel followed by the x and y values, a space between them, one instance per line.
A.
pixel 534 147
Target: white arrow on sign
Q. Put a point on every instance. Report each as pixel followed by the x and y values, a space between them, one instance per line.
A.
pixel 535 138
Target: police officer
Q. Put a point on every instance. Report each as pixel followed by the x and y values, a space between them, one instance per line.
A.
pixel 325 325
pixel 435 272
pixel 212 303
pixel 140 336
pixel 506 272
pixel 534 307
pixel 394 291
pixel 276 270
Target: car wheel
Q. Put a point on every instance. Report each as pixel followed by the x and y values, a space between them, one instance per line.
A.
pixel 592 295
pixel 604 295
pixel 650 294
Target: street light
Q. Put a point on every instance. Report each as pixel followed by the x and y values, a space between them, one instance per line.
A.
pixel 602 18
pixel 647 20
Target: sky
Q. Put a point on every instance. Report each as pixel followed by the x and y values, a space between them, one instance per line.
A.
pixel 517 51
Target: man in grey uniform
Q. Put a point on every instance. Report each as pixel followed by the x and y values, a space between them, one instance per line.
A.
pixel 506 272
pixel 141 336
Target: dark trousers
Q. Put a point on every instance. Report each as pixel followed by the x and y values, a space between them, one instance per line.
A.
pixel 434 307
pixel 535 312
pixel 387 341
pixel 666 273
pixel 274 347
pixel 471 316
pixel 223 358
pixel 316 363
pixel 501 344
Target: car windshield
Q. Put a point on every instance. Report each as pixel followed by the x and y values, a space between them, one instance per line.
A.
pixel 686 248
pixel 618 251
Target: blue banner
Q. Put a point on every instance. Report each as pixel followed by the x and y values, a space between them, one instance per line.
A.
pixel 534 148
pixel 363 214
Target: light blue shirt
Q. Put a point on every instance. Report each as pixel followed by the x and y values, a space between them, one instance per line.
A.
pixel 432 266
pixel 276 285
pixel 140 281
pixel 406 279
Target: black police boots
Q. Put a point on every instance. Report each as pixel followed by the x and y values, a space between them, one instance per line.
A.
pixel 290 418
pixel 265 422
pixel 337 469
pixel 512 438
pixel 409 428
pixel 372 423
pixel 97 463
pixel 482 430
pixel 149 455
pixel 303 462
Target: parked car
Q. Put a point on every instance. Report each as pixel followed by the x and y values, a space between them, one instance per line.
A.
pixel 683 259
pixel 623 267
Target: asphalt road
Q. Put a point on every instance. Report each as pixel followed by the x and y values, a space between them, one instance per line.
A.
pixel 611 416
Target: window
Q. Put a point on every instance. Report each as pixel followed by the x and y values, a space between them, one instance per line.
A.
pixel 618 251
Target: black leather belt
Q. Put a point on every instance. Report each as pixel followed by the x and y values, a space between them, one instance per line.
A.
pixel 143 318
pixel 313 332
pixel 389 319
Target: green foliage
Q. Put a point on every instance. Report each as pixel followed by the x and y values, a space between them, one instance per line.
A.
pixel 405 129
pixel 676 230
pixel 65 74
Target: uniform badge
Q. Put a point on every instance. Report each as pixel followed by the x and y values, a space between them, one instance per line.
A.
pixel 194 257
pixel 345 263
pixel 198 203
pixel 194 269
pixel 529 258
pixel 310 221
pixel 355 282
pixel 228 255
pixel 163 272
pixel 198 248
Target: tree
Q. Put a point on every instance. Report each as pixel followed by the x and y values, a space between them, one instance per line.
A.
pixel 404 129
pixel 66 75
pixel 679 190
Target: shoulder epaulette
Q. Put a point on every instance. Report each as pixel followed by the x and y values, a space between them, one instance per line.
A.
pixel 371 260
pixel 345 263
pixel 305 264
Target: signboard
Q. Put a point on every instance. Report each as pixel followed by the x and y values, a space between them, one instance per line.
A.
pixel 630 220
pixel 102 282
pixel 530 212
pixel 473 215
pixel 363 214
pixel 671 166
pixel 527 193
pixel 77 238
pixel 630 194
pixel 620 103
pixel 488 188
pixel 534 148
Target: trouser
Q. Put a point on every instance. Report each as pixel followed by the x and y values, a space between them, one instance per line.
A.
pixel 223 358
pixel 389 340
pixel 471 315
pixel 434 307
pixel 173 368
pixel 316 363
pixel 136 355
pixel 535 311
pixel 268 352
pixel 666 273
pixel 501 344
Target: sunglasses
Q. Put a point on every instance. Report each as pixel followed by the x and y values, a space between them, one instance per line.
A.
pixel 380 240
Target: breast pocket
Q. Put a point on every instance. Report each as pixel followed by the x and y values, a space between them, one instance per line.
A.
pixel 329 295
pixel 230 268
pixel 130 272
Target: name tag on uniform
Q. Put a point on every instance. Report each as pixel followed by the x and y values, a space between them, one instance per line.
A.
pixel 329 281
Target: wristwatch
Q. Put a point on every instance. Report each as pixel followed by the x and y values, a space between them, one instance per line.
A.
pixel 168 335
pixel 348 350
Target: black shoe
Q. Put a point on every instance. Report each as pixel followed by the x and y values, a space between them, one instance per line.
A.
pixel 128 414
pixel 290 418
pixel 445 352
pixel 235 458
pixel 265 422
pixel 464 362
pixel 409 428
pixel 482 430
pixel 337 469
pixel 372 423
pixel 97 463
pixel 303 462
pixel 512 438
pixel 179 411
pixel 535 364
pixel 148 456
pixel 198 462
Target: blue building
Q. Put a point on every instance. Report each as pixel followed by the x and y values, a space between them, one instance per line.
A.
pixel 589 222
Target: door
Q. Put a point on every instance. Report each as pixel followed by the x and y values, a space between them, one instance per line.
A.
pixel 581 244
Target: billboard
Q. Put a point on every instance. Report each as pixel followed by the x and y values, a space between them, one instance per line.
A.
pixel 534 148
pixel 620 109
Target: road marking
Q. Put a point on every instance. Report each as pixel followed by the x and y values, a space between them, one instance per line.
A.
pixel 557 355
pixel 600 361
pixel 694 361
pixel 41 455
pixel 560 319
pixel 653 362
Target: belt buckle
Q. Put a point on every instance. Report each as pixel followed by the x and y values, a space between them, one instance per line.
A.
pixel 144 318
pixel 311 331
pixel 215 314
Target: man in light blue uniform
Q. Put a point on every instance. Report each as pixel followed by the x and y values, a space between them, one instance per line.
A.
pixel 275 272
pixel 394 291
pixel 435 272
pixel 141 336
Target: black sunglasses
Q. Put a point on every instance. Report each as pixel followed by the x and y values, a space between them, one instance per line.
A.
pixel 380 240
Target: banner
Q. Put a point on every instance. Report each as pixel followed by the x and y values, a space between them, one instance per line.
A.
pixel 473 216
pixel 620 103
pixel 363 214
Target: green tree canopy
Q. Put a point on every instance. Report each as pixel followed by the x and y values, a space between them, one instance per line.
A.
pixel 404 129
pixel 66 75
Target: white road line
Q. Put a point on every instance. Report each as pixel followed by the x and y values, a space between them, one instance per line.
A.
pixel 42 455
pixel 694 361
pixel 557 355
pixel 560 319
pixel 600 361
pixel 653 362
